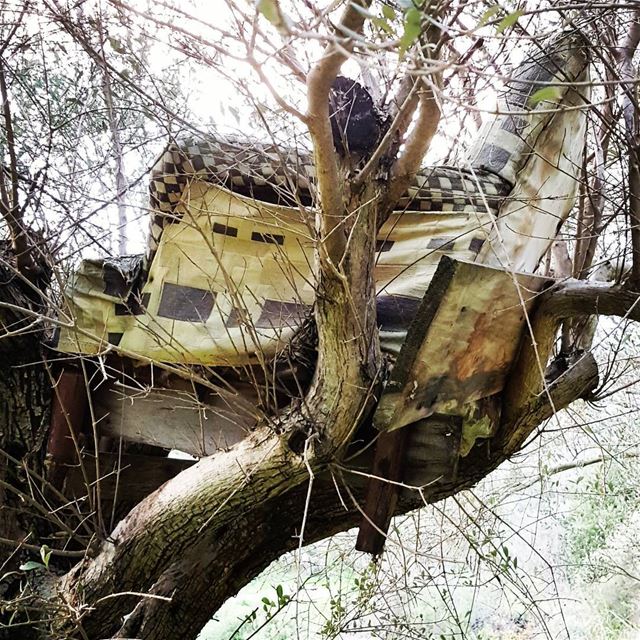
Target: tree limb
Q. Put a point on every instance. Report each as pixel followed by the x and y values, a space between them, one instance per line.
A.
pixel 526 393
pixel 329 184
pixel 9 199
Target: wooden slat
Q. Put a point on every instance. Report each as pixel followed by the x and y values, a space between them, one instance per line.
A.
pixel 68 411
pixel 382 495
pixel 125 478
pixel 433 451
pixel 462 343
pixel 421 454
pixel 176 419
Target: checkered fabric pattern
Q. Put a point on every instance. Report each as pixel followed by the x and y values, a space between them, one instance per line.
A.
pixel 229 277
pixel 286 177
pixel 229 266
pixel 506 140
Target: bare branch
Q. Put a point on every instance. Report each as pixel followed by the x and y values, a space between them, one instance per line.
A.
pixel 319 82
pixel 627 72
pixel 526 398
pixel 416 146
pixel 9 200
pixel 519 421
pixel 573 298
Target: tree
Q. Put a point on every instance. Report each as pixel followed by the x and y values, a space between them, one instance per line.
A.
pixel 179 554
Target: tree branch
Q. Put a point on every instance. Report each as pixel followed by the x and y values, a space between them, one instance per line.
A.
pixel 415 148
pixel 9 200
pixel 527 397
pixel 417 144
pixel 329 184
pixel 578 298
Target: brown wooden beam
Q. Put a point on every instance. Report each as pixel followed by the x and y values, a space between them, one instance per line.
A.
pixel 382 493
pixel 68 412
pixel 124 478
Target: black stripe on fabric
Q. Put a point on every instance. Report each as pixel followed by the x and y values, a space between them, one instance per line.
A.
pixel 442 244
pixel 225 230
pixel 269 238
pixel 514 124
pixel 384 245
pixel 188 304
pixel 233 320
pixel 493 158
pixel 396 313
pixel 114 338
pixel 276 313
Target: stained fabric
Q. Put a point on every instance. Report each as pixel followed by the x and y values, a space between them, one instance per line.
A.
pixel 228 277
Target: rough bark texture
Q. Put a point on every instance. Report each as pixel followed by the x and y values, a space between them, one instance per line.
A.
pixel 25 396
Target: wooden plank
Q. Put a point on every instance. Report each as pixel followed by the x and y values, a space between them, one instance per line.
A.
pixel 433 451
pixel 421 454
pixel 68 410
pixel 461 344
pixel 382 494
pixel 125 478
pixel 176 418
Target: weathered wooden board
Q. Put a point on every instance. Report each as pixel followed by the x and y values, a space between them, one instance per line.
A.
pixel 461 344
pixel 123 480
pixel 176 419
pixel 433 451
pixel 130 477
pixel 68 410
pixel 424 453
pixel 382 491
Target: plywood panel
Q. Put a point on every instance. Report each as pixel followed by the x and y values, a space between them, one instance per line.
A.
pixel 462 343
pixel 176 419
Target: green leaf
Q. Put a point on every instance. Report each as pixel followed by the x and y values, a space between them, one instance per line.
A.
pixel 116 45
pixel 31 565
pixel 546 93
pixel 412 29
pixel 412 16
pixel 488 14
pixel 381 23
pixel 508 21
pixel 388 12
pixel 45 554
pixel 269 9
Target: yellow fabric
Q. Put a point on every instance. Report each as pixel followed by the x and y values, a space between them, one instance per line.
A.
pixel 245 273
